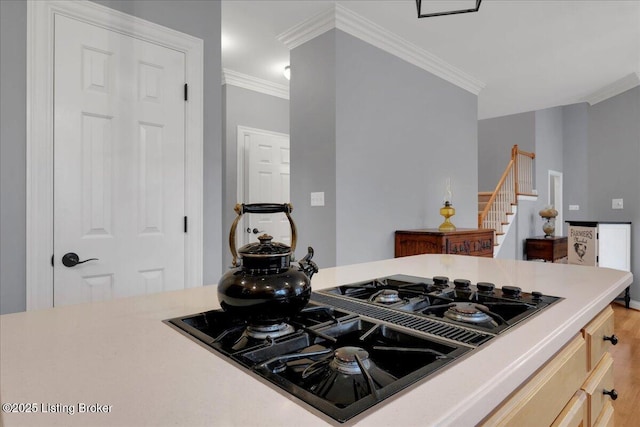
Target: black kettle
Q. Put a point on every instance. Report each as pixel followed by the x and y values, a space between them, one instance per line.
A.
pixel 266 289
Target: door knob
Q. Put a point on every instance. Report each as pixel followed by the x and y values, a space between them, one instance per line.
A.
pixel 254 231
pixel 71 259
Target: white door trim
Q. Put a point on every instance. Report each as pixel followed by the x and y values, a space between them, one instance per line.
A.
pixel 559 198
pixel 242 149
pixel 40 38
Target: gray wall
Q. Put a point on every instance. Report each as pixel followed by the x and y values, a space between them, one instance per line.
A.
pixel 613 168
pixel 540 132
pixel 548 149
pixel 13 134
pixel 496 137
pixel 197 18
pixel 575 162
pixel 527 223
pixel 399 132
pixel 597 148
pixel 243 107
pixel 549 156
pixel 313 145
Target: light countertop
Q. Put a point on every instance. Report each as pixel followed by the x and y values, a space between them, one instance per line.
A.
pixel 120 356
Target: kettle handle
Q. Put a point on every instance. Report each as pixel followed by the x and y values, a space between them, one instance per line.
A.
pixel 263 208
pixel 260 208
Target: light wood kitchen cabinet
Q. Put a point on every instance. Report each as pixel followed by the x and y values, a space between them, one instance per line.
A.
pixel 599 382
pixel 599 335
pixel 569 390
pixel 606 418
pixel 575 413
pixel 543 397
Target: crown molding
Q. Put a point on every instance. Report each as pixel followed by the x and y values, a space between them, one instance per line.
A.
pixel 234 78
pixel 351 23
pixel 616 88
pixel 309 28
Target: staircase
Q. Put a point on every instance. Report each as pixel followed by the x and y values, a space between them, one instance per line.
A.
pixel 497 209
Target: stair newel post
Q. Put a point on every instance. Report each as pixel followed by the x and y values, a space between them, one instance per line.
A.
pixel 514 157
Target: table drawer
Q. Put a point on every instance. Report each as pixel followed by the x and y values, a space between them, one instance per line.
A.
pixel 595 332
pixel 463 241
pixel 575 413
pixel 600 381
pixel 549 249
pixel 477 244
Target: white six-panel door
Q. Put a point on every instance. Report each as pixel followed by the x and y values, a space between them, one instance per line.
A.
pixel 266 181
pixel 119 147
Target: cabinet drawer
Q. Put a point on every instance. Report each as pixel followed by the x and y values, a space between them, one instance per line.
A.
pixel 543 397
pixel 463 241
pixel 606 418
pixel 575 413
pixel 594 333
pixel 560 250
pixel 407 245
pixel 474 244
pixel 601 379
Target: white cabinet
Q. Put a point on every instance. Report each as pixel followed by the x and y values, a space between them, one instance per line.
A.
pixel 601 244
pixel 614 246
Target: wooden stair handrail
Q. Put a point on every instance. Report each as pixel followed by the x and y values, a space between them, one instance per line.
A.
pixel 515 151
pixel 522 153
pixel 511 167
pixel 487 208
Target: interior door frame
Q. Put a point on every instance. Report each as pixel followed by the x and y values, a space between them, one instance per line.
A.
pixel 40 125
pixel 243 148
pixel 552 177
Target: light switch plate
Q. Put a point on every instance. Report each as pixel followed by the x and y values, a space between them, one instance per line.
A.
pixel 574 207
pixel 317 199
pixel 617 204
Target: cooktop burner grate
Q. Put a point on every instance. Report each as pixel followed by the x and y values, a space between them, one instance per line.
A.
pixel 342 365
pixel 422 324
pixel 355 345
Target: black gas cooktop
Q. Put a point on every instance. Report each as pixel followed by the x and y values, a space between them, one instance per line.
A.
pixel 479 306
pixel 355 345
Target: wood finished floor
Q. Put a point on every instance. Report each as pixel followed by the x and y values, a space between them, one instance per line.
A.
pixel 626 362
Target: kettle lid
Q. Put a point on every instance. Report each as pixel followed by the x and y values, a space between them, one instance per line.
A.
pixel 265 247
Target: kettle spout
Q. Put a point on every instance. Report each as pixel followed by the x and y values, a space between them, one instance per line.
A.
pixel 308 267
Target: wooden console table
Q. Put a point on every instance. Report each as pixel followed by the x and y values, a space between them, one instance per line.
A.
pixel 463 241
pixel 549 249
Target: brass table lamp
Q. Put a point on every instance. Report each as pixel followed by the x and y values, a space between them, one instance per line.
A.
pixel 447 211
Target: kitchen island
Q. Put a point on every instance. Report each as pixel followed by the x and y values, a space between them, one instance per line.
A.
pixel 117 363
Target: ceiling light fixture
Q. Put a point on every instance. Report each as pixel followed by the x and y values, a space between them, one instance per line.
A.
pixel 430 11
pixel 287 72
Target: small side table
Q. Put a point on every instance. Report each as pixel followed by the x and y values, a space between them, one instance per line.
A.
pixel 549 249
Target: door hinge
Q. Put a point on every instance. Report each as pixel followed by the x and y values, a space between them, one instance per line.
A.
pixel 185 224
pixel 186 92
pixel 52 255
